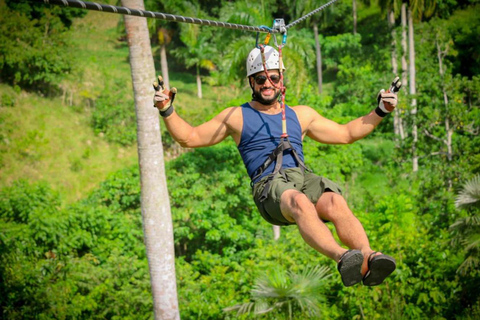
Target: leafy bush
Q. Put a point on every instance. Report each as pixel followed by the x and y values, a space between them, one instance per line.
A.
pixel 114 116
pixel 34 44
pixel 76 262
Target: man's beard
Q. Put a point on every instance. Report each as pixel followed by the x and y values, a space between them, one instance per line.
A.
pixel 257 96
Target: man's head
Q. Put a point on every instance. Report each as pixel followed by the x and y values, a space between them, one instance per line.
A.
pixel 263 91
pixel 255 63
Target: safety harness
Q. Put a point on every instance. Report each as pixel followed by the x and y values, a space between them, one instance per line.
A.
pixel 277 156
pixel 284 145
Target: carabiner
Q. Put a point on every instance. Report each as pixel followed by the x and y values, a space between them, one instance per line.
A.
pixel 258 35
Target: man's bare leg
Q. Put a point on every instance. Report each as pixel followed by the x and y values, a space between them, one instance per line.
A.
pixel 296 207
pixel 334 208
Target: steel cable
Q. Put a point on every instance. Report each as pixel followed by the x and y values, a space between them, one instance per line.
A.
pixel 177 18
pixel 157 15
pixel 310 14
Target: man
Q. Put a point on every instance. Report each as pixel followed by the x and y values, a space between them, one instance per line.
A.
pixel 289 194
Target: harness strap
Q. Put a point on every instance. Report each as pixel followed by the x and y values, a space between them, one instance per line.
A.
pixel 277 155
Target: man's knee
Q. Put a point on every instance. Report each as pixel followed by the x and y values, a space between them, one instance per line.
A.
pixel 296 204
pixel 331 205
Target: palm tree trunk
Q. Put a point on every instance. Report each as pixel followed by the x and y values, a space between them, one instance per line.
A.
pixel 319 59
pixel 354 12
pixel 157 221
pixel 448 128
pixel 404 45
pixel 276 232
pixel 164 65
pixel 199 84
pixel 412 87
pixel 397 120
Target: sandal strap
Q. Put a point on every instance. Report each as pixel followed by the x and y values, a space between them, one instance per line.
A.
pixel 343 255
pixel 372 255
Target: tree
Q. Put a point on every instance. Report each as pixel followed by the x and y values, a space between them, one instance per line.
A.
pixel 470 195
pixel 34 44
pixel 301 8
pixel 157 221
pixel 198 50
pixel 418 9
pixel 287 293
pixel 412 90
pixel 390 7
pixel 164 38
pixel 467 230
pixel 163 31
pixel 354 14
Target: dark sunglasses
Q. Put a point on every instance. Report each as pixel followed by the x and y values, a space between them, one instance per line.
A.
pixel 262 79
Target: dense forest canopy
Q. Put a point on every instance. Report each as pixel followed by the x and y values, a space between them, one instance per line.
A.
pixel 71 240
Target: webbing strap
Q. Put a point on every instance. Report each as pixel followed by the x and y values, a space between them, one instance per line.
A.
pixel 277 155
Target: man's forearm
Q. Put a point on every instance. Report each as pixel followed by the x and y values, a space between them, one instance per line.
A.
pixel 363 126
pixel 179 129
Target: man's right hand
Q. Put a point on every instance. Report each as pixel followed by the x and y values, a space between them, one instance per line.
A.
pixel 161 100
pixel 162 97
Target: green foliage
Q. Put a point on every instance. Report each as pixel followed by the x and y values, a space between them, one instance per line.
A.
pixel 34 44
pixel 211 203
pixel 466 238
pixel 114 116
pixel 465 27
pixel 87 260
pixel 72 260
pixel 7 100
pixel 286 293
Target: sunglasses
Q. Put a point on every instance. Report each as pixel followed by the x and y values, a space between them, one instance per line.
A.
pixel 262 79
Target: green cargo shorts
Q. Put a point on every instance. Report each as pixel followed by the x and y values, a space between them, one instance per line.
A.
pixel 310 184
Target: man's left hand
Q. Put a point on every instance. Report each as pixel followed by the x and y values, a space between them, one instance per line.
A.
pixel 387 101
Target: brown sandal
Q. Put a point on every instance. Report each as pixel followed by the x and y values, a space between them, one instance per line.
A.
pixel 350 267
pixel 379 267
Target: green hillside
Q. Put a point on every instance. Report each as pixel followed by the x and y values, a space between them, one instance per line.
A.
pixel 71 233
pixel 52 139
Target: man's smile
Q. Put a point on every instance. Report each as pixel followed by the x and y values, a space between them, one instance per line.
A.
pixel 267 91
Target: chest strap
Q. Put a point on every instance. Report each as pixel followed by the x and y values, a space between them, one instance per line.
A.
pixel 277 156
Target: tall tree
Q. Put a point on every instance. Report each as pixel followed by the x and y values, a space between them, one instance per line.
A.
pixel 301 8
pixel 164 39
pixel 391 9
pixel 157 221
pixel 412 89
pixel 35 44
pixel 354 13
pixel 198 51
pixel 416 9
pixel 163 31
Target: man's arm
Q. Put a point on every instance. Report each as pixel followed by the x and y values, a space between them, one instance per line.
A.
pixel 206 134
pixel 327 131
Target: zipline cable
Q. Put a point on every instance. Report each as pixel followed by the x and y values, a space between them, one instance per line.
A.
pixel 177 18
pixel 157 15
pixel 310 14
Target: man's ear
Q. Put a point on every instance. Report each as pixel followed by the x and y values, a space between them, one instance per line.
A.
pixel 251 81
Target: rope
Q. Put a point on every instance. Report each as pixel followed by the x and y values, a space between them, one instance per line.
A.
pixel 311 13
pixel 157 15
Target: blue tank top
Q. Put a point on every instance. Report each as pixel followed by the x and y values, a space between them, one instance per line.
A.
pixel 261 134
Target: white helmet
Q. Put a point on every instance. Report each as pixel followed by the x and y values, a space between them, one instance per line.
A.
pixel 255 64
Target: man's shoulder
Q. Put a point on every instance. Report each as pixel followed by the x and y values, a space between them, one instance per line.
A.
pixel 305 115
pixel 302 109
pixel 230 114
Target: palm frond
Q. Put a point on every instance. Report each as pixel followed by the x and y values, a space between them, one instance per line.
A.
pixel 470 195
pixel 471 263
